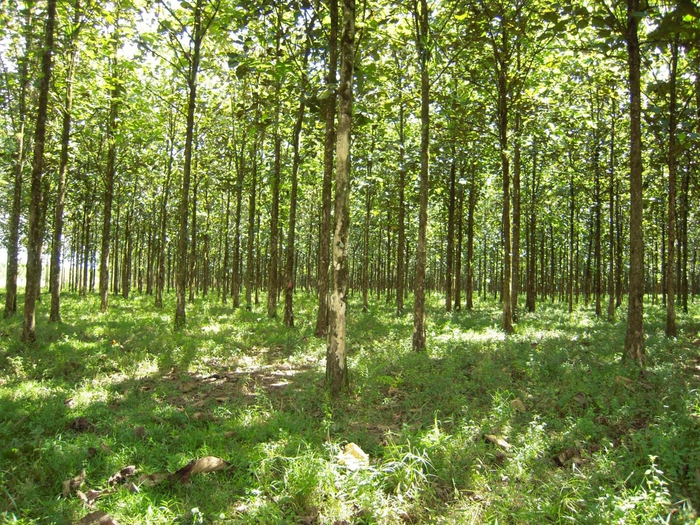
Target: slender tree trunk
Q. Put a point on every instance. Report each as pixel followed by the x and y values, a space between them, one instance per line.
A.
pixel 329 145
pixel 225 265
pixel 192 261
pixel 507 320
pixel 336 355
pixel 365 248
pixel 450 233
pixel 634 339
pixel 35 232
pixel 598 214
pixel 515 278
pixel 160 282
pixel 236 292
pixel 419 335
pixel 473 190
pixel 250 260
pixel 187 168
pixel 611 220
pixel 13 226
pixel 671 330
pixel 460 238
pixel 289 263
pixel 401 246
pixel 109 179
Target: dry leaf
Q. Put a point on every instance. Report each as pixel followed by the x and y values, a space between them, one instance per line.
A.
pixel 72 484
pixel 580 398
pixel 518 405
pixel 97 518
pixel 120 477
pixel 188 387
pixel 200 466
pixel 353 457
pixel 140 432
pixel 92 452
pixel 222 399
pixel 199 416
pixel 70 402
pixel 230 434
pixel 498 440
pixel 150 480
pixel 92 495
pixel 105 448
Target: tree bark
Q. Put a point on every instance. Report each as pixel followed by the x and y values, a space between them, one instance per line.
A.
pixel 450 233
pixel 329 144
pixel 289 263
pixel 336 354
pixel 160 282
pixel 35 231
pixel 109 179
pixel 634 339
pixel 187 168
pixel 419 336
pixel 671 329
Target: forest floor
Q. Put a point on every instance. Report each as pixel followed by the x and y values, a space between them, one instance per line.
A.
pixel 547 425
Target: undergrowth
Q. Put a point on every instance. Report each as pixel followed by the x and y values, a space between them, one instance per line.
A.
pixel 546 425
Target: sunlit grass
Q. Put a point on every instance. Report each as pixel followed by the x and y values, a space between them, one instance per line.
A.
pixel 240 386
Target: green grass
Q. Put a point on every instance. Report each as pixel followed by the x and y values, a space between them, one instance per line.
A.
pixel 244 388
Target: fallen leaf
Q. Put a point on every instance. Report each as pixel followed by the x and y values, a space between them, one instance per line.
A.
pixel 120 477
pixel 188 387
pixel 72 484
pixel 140 432
pixel 393 391
pixel 200 466
pixel 92 495
pixel 97 518
pixel 199 404
pixel 92 451
pixel 200 416
pixel 151 480
pixel 353 457
pixel 70 402
pixel 105 448
pixel 132 487
pixel 222 399
pixel 580 398
pixel 230 434
pixel 498 440
pixel 518 405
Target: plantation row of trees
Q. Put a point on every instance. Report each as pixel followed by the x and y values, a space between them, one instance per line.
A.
pixel 527 150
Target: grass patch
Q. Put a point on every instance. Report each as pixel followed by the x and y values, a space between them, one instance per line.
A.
pixel 575 434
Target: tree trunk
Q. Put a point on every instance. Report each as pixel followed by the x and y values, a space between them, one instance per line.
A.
pixel 160 282
pixel 515 277
pixel 450 233
pixel 329 144
pixel 250 259
pixel 35 231
pixel 460 237
pixel 289 263
pixel 109 178
pixel 473 191
pixel 13 226
pixel 187 168
pixel 401 246
pixel 611 220
pixel 365 248
pixel 634 339
pixel 419 335
pixel 671 330
pixel 336 355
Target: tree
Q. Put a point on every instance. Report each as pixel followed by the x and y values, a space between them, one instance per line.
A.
pixel 336 354
pixel 35 230
pixel 421 17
